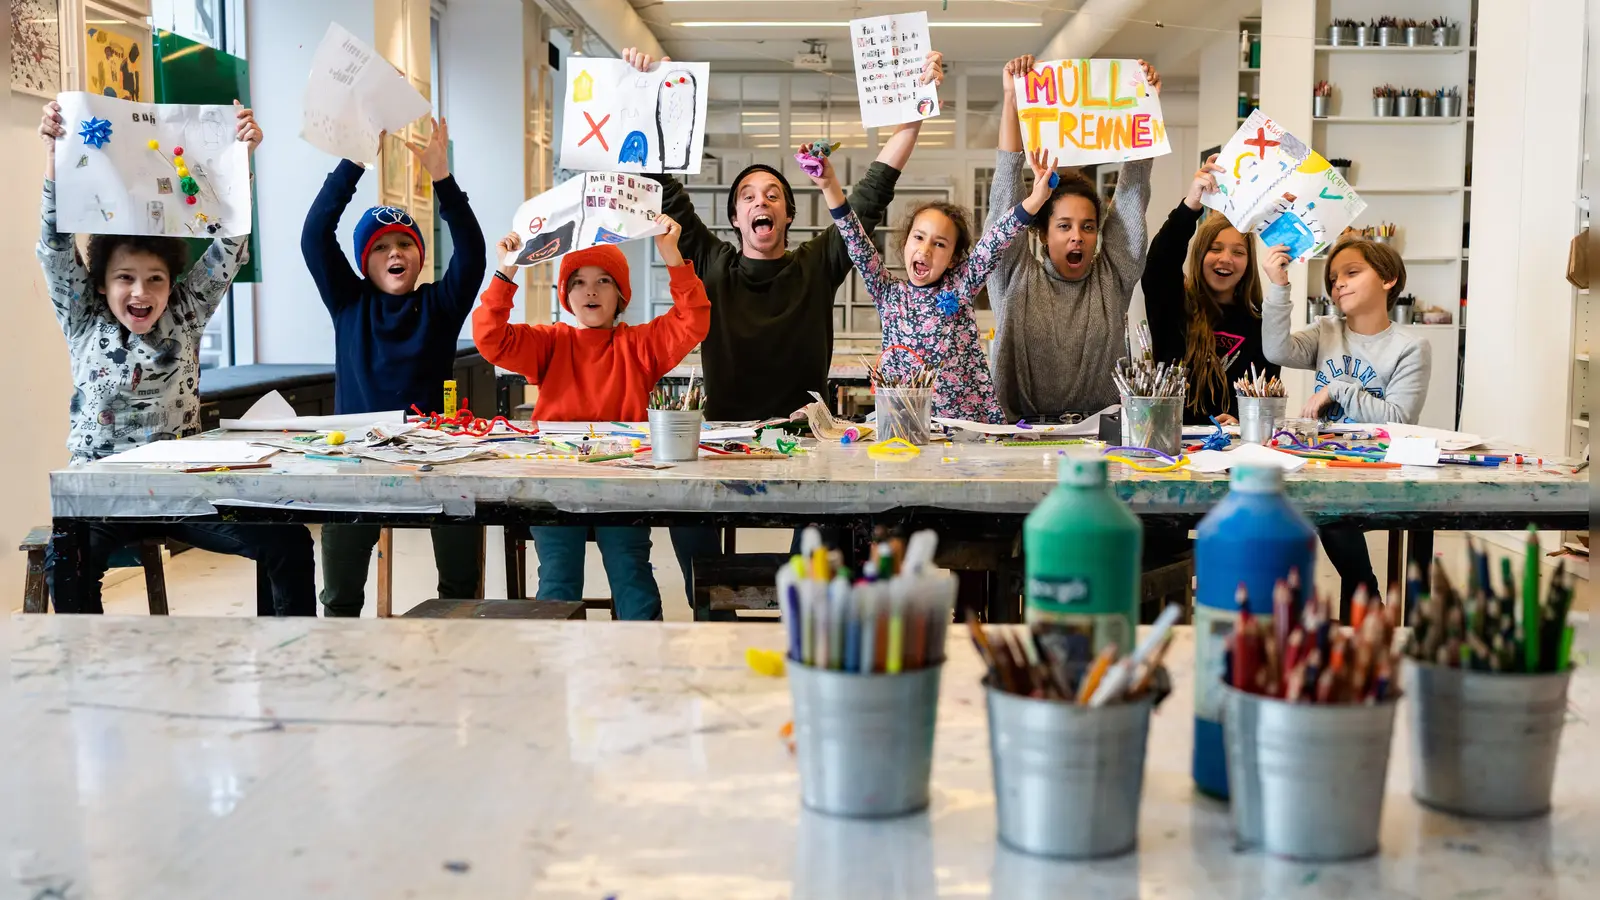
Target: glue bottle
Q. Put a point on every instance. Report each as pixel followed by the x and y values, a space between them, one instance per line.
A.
pixel 1254 537
pixel 1081 557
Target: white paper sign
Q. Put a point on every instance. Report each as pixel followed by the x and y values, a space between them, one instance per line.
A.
pixel 1086 111
pixel 353 95
pixel 1412 451
pixel 585 210
pixel 110 181
pixel 619 119
pixel 1275 185
pixel 890 54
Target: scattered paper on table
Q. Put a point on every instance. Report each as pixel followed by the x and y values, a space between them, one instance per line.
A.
pixel 1412 451
pixel 711 435
pixel 1448 441
pixel 619 119
pixel 273 413
pixel 110 181
pixel 1086 111
pixel 1223 460
pixel 353 95
pixel 585 210
pixel 1274 184
pixel 891 52
pixel 195 452
pixel 1089 427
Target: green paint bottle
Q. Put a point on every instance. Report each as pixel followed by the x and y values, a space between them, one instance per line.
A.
pixel 1082 548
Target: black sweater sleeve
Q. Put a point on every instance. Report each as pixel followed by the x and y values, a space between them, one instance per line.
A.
pixel 1164 306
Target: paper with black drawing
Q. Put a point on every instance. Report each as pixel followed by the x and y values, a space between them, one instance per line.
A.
pixel 585 210
pixel 890 53
pixel 618 119
pixel 353 95
pixel 112 182
pixel 1275 185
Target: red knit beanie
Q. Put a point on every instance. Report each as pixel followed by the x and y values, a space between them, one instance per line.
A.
pixel 606 257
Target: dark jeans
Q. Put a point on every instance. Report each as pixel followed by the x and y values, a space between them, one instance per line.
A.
pixel 625 551
pixel 284 551
pixel 347 551
pixel 1346 547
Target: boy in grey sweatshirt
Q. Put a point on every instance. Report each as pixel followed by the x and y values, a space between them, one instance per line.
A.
pixel 1061 322
pixel 1367 370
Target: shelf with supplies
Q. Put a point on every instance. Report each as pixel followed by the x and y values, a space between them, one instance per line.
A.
pixel 1386 120
pixel 1402 49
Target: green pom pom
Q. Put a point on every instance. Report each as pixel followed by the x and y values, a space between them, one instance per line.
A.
pixel 189 186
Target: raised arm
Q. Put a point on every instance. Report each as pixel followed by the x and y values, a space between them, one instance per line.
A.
pixel 467 262
pixel 1163 265
pixel 1010 125
pixel 319 242
pixel 1296 350
pixel 523 349
pixel 859 249
pixel 1403 396
pixel 669 337
pixel 1002 231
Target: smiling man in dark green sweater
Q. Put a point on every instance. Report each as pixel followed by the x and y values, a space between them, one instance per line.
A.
pixel 771 337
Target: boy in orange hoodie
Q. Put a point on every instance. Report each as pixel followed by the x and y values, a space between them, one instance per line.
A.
pixel 601 370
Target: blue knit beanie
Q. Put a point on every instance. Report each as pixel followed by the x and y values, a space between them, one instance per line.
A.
pixel 379 221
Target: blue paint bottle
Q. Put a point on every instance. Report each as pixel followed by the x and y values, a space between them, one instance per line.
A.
pixel 1256 537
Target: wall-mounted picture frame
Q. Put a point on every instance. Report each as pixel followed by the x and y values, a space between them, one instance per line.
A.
pixel 395 159
pixel 421 182
pixel 36 48
pixel 117 58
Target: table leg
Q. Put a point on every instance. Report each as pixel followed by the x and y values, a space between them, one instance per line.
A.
pixel 69 540
pixel 1397 557
pixel 265 606
pixel 385 573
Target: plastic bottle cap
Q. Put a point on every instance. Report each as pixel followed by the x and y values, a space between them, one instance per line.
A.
pixel 1256 478
pixel 1081 470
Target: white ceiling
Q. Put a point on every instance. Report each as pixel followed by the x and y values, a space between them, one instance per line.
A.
pixel 1168 32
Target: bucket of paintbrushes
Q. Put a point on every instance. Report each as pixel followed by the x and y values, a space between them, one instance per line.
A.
pixel 1155 423
pixel 904 404
pixel 1259 417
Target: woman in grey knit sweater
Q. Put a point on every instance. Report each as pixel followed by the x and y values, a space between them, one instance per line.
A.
pixel 1062 322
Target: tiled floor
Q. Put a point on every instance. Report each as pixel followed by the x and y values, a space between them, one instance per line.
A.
pixel 206 584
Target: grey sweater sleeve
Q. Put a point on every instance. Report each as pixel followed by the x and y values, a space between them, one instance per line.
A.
pixel 1297 350
pixel 1124 237
pixel 1404 392
pixel 1005 192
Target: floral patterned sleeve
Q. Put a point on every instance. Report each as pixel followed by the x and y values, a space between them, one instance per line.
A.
pixel 867 259
pixel 969 276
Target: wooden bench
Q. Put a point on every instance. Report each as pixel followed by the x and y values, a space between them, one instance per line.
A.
pixel 36 586
pixel 496 609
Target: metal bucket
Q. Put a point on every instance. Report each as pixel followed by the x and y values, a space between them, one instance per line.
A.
pixel 1363 36
pixel 1383 106
pixel 1450 107
pixel 675 434
pixel 1306 780
pixel 1416 36
pixel 1427 106
pixel 1388 36
pixel 1154 422
pixel 904 413
pixel 1484 744
pixel 1405 107
pixel 1067 778
pixel 1341 36
pixel 1259 417
pixel 864 742
pixel 1319 106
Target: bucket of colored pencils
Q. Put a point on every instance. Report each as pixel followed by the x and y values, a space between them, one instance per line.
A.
pixel 864 661
pixel 1259 417
pixel 1307 718
pixel 1067 737
pixel 904 404
pixel 1487 704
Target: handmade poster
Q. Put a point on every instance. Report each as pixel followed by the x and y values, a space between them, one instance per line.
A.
pixel 353 95
pixel 890 54
pixel 1087 111
pixel 619 119
pixel 1275 185
pixel 116 57
pixel 585 210
pixel 35 47
pixel 149 168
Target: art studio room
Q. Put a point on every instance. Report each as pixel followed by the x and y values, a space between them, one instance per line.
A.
pixel 672 389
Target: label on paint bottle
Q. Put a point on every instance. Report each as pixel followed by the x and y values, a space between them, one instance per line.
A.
pixel 1068 604
pixel 1212 630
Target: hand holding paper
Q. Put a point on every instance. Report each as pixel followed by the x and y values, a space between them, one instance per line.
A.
pixel 353 95
pixel 632 115
pixel 435 156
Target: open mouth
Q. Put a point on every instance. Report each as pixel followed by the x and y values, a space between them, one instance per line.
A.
pixel 762 225
pixel 139 312
pixel 1222 272
pixel 592 306
pixel 920 269
pixel 396 270
pixel 1074 258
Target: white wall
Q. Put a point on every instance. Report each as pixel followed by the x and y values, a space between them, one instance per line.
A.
pixel 34 365
pixel 292 325
pixel 480 56
pixel 1528 152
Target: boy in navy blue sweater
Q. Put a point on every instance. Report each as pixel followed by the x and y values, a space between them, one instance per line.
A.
pixel 395 343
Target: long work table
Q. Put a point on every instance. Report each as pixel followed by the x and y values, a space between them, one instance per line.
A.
pixel 262 758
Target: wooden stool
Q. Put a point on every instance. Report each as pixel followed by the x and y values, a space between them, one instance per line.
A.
pixel 737 582
pixel 516 544
pixel 496 609
pixel 386 571
pixel 36 589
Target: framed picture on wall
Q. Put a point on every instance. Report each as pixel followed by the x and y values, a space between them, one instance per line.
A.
pixel 116 60
pixel 421 183
pixel 36 47
pixel 395 158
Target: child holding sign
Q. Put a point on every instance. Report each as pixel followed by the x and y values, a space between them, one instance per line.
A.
pixel 1367 369
pixel 930 311
pixel 1212 313
pixel 394 342
pixel 600 370
pixel 1061 324
pixel 133 314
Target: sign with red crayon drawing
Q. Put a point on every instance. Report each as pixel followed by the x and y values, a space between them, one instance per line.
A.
pixel 890 53
pixel 1087 111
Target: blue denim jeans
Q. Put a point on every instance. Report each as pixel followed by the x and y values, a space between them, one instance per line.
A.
pixel 625 551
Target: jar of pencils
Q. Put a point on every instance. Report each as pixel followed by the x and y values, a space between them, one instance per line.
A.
pixel 1154 423
pixel 863 666
pixel 904 402
pixel 1488 705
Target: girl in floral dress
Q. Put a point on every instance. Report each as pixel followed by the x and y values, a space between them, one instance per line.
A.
pixel 930 311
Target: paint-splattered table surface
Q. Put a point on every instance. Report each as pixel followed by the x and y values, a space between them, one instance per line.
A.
pixel 240 758
pixel 828 479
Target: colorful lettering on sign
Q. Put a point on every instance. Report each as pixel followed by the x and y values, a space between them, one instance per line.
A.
pixel 1098 109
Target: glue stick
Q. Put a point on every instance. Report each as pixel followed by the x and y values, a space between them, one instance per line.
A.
pixel 450 399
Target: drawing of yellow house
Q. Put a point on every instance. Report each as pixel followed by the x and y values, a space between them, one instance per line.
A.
pixel 583 88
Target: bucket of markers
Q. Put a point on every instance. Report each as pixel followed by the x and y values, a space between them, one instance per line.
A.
pixel 1153 422
pixel 865 655
pixel 1259 417
pixel 904 405
pixel 675 434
